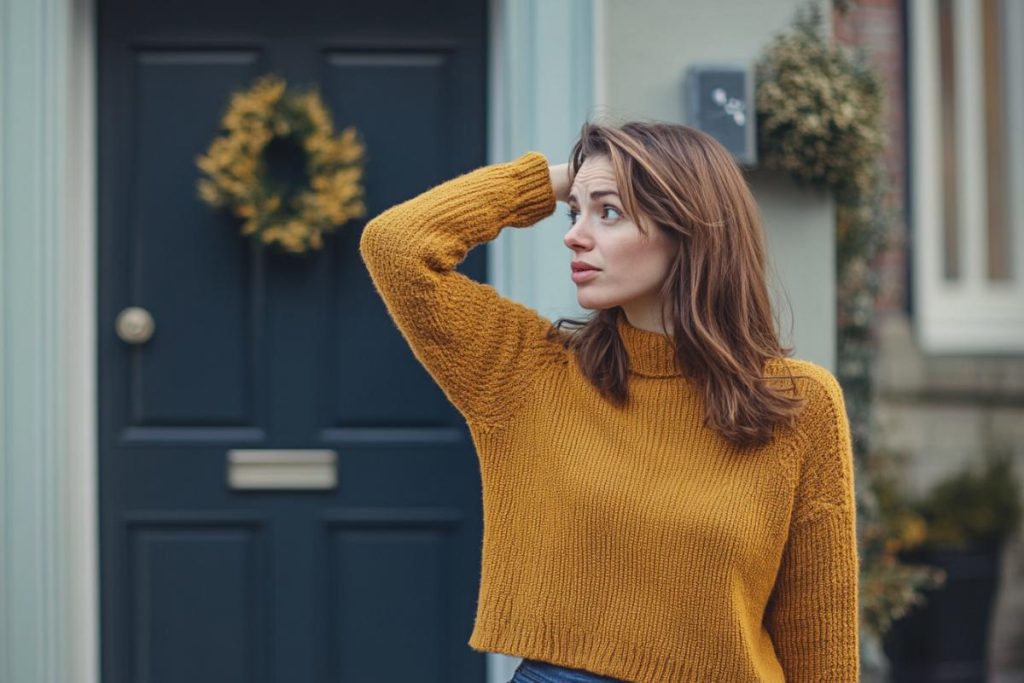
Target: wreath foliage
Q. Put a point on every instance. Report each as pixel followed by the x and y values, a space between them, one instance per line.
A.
pixel 236 169
pixel 820 109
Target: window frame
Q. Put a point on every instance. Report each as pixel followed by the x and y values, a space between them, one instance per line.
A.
pixel 972 314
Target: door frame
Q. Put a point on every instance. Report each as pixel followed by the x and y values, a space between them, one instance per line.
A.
pixel 49 581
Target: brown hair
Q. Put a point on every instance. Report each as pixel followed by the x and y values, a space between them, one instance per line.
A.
pixel 683 181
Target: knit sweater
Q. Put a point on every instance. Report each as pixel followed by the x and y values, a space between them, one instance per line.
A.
pixel 634 541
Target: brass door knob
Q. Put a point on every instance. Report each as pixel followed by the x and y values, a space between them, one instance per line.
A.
pixel 134 325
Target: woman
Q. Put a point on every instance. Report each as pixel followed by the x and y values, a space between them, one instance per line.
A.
pixel 667 496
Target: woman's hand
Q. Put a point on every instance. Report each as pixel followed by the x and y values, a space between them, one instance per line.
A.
pixel 560 181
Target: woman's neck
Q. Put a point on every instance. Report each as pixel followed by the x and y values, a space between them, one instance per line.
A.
pixel 645 317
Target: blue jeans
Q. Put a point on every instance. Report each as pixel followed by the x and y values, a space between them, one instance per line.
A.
pixel 537 671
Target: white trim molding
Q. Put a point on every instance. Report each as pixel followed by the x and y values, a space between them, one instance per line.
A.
pixel 48 542
pixel 970 313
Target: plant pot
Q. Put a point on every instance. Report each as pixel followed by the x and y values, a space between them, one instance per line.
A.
pixel 946 639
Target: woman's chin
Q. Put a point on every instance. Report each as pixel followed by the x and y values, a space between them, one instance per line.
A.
pixel 592 304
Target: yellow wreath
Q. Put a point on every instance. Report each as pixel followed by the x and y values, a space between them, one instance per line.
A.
pixel 237 174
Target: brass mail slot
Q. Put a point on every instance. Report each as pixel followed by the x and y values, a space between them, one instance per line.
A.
pixel 282 469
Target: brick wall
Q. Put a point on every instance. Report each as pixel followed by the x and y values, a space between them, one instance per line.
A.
pixel 877 25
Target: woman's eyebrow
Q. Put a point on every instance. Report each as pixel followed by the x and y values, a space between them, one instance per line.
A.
pixel 597 194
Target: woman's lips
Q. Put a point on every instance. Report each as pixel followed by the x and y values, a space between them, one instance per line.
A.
pixel 579 276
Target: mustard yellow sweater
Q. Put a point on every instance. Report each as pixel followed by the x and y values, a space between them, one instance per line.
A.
pixel 631 542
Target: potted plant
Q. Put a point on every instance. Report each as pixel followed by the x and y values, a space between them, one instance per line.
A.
pixel 968 517
pixel 889 587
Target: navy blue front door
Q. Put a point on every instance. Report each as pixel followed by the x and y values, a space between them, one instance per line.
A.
pixel 374 580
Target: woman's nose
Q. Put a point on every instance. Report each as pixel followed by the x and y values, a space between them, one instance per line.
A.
pixel 576 238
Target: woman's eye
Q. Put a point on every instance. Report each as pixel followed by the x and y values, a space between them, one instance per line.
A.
pixel 572 213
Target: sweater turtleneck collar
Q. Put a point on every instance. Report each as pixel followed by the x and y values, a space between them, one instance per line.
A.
pixel 651 354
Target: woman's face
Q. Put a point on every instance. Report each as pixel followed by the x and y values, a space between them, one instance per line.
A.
pixel 630 266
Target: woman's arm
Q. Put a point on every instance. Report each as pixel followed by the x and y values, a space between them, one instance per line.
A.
pixel 812 615
pixel 475 343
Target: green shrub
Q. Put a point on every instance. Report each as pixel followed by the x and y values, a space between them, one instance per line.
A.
pixel 974 506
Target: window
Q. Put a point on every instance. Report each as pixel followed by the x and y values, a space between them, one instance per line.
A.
pixel 966 99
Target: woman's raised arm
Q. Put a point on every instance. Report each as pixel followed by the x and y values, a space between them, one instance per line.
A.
pixel 476 344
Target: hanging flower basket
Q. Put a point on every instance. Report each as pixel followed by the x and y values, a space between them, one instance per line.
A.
pixel 819 110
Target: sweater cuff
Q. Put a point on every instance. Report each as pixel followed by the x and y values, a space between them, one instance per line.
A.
pixel 533 195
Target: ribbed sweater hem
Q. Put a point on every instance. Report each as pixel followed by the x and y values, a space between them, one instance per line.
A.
pixel 596 653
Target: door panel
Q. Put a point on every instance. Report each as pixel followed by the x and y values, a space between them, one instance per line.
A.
pixel 260 350
pixel 179 569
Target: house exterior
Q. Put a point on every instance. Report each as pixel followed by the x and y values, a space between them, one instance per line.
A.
pixel 122 540
pixel 949 374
